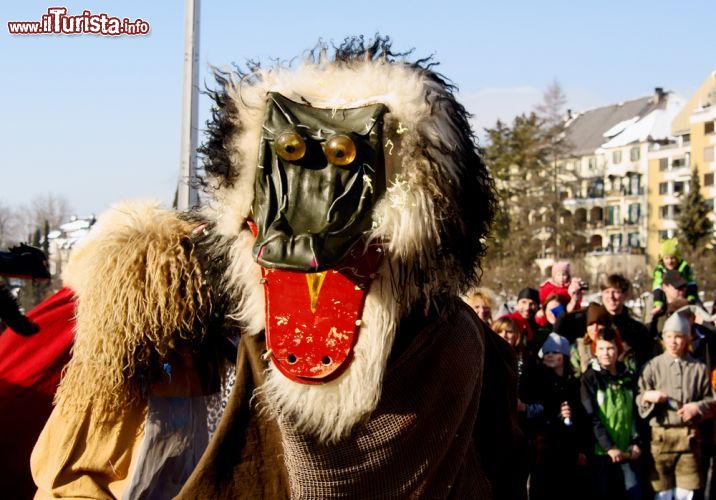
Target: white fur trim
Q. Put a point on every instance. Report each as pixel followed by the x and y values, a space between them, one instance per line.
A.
pixel 329 411
pixel 406 218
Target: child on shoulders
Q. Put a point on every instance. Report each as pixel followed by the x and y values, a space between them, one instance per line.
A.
pixel 671 260
pixel 562 284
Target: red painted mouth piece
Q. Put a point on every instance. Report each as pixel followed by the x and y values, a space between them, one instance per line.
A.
pixel 313 319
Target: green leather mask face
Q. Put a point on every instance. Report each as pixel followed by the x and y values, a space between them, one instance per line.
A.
pixel 320 173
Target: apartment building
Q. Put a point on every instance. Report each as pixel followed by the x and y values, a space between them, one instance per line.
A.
pixel 604 178
pixel 670 165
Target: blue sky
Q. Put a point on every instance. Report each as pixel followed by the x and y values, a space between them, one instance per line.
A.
pixel 97 119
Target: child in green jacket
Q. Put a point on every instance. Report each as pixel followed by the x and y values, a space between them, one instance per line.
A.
pixel 671 259
pixel 608 397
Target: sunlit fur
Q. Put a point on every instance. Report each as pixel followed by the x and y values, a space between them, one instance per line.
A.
pixel 329 411
pixel 140 290
pixel 433 217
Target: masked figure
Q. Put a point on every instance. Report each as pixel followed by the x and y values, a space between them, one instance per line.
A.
pixel 348 211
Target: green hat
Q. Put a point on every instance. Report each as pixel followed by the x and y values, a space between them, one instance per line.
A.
pixel 670 247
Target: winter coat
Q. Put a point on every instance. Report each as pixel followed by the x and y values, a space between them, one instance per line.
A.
pixel 638 342
pixel 549 287
pixel 553 390
pixel 685 271
pixel 580 355
pixel 609 403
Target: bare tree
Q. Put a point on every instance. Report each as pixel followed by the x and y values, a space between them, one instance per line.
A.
pixel 50 208
pixel 10 224
pixel 551 109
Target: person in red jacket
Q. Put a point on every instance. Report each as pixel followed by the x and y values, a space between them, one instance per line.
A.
pixel 563 284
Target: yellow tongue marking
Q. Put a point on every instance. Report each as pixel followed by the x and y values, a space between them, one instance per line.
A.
pixel 314 281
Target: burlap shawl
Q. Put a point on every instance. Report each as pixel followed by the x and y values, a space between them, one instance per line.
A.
pixel 420 441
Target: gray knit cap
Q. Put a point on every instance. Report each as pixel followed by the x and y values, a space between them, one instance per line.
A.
pixel 677 323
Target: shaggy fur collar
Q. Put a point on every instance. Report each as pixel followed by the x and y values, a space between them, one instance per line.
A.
pixel 432 219
pixel 141 294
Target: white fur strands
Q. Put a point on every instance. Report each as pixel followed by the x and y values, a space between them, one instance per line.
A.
pixel 440 197
pixel 140 289
pixel 330 411
pixel 241 280
pixel 433 217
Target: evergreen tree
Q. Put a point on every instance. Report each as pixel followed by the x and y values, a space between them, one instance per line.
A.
pixel 525 160
pixel 696 234
pixel 518 158
pixel 695 225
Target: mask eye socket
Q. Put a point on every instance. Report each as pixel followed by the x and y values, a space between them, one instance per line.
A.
pixel 340 150
pixel 290 146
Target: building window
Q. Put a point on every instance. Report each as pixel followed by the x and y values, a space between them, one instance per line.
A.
pixel 592 163
pixel 613 183
pixel 616 157
pixel 710 204
pixel 634 153
pixel 634 213
pixel 669 212
pixel 709 179
pixel 596 189
pixel 663 163
pixel 678 187
pixel 709 153
pixel 633 240
pixel 663 188
pixel 709 127
pixel 612 215
pixel 635 184
pixel 615 240
pixel 663 235
pixel 678 162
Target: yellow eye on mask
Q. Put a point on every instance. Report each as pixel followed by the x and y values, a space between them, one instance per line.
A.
pixel 340 150
pixel 290 146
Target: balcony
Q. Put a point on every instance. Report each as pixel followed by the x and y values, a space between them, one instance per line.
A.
pixel 625 191
pixel 678 163
pixel 633 221
pixel 582 201
pixel 610 250
pixel 589 196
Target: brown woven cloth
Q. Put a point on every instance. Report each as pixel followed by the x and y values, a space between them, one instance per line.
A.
pixel 244 457
pixel 419 442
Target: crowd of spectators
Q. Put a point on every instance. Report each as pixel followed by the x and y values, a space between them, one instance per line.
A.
pixel 610 407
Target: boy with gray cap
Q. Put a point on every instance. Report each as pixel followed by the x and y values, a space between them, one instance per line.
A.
pixel 675 395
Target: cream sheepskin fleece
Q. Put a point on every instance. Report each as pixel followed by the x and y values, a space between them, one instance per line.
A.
pixel 140 289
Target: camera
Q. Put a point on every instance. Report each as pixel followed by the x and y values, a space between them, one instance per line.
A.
pixel 583 285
